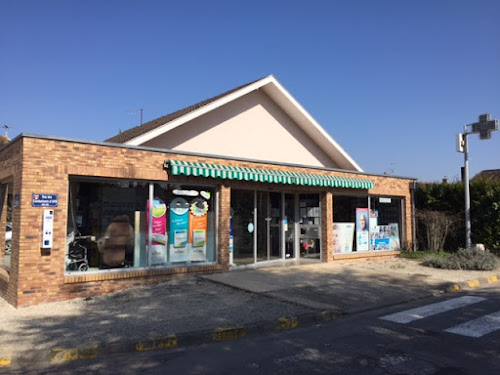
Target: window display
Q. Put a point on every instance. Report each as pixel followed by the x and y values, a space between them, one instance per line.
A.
pixel 6 204
pixel 129 224
pixel 377 222
pixel 386 214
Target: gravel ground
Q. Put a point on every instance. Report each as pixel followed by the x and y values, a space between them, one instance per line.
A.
pixel 185 305
pixel 413 267
pixel 177 306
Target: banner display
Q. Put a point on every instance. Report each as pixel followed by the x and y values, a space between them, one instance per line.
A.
pixel 386 237
pixel 373 227
pixel 179 225
pixel 343 236
pixel 198 211
pixel 362 233
pixel 158 243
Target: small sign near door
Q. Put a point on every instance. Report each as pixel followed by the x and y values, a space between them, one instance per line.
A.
pixel 44 200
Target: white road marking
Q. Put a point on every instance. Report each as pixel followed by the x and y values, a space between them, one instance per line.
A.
pixel 408 316
pixel 478 327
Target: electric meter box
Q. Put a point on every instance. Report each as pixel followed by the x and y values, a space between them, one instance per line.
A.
pixel 47 228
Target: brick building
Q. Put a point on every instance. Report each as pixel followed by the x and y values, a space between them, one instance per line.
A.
pixel 242 179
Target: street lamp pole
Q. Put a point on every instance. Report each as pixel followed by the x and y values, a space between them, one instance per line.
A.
pixel 467 193
pixel 483 127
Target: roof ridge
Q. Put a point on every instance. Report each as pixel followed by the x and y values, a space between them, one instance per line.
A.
pixel 139 130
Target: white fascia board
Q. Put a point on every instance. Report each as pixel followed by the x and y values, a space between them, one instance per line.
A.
pixel 315 124
pixel 197 112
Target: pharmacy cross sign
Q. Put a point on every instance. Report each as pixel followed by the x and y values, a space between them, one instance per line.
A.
pixel 484 126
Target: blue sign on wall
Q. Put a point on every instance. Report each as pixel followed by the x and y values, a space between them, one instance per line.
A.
pixel 44 200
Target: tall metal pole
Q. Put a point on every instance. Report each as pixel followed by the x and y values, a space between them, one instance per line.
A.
pixel 483 127
pixel 467 194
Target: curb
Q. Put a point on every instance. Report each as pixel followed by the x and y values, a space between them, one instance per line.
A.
pixel 475 283
pixel 166 342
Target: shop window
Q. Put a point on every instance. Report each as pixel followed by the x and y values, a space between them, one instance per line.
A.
pixel 348 236
pixel 129 224
pixel 6 202
pixel 366 224
pixel 387 226
pixel 243 226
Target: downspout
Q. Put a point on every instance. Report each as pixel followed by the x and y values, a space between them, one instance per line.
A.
pixel 413 223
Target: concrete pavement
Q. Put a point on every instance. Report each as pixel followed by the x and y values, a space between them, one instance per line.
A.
pixel 212 308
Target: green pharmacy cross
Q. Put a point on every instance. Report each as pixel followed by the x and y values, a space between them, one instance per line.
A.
pixel 484 126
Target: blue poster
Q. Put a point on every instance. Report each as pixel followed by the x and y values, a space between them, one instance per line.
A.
pixel 179 225
pixel 362 232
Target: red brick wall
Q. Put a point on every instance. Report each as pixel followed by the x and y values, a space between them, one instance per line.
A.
pixel 39 165
pixel 326 226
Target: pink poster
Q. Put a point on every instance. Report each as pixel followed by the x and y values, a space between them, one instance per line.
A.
pixel 158 245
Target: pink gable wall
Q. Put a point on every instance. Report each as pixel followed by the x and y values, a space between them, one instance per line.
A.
pixel 251 127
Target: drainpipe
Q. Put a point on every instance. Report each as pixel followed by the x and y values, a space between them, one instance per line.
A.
pixel 413 224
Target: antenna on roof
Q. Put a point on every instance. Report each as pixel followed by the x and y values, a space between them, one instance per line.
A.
pixel 6 127
pixel 141 110
pixel 137 110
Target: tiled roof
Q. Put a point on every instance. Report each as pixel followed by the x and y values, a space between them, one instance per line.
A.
pixel 137 131
pixel 491 174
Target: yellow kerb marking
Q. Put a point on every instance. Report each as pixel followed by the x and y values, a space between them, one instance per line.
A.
pixel 473 283
pixel 158 343
pixel 60 355
pixel 287 323
pixel 455 288
pixel 329 315
pixel 223 334
pixel 492 279
pixel 5 361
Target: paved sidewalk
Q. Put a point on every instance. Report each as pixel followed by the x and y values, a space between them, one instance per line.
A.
pixel 215 307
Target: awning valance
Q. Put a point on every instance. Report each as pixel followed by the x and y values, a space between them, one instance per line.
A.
pixel 189 168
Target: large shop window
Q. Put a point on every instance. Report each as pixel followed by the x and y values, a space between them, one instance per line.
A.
pixel 367 223
pixel 6 201
pixel 115 224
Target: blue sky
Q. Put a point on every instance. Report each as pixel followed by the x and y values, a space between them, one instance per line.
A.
pixel 393 82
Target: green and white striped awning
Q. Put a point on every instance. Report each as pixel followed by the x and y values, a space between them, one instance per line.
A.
pixel 188 168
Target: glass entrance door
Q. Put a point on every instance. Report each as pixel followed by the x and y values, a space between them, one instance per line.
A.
pixel 269 222
pixel 289 226
pixel 264 226
pixel 310 226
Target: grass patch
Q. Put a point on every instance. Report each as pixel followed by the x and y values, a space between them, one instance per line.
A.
pixel 423 254
pixel 465 259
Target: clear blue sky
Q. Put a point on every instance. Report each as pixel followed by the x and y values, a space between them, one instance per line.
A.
pixel 391 81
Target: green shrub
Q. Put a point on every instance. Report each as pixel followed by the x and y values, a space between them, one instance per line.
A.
pixel 449 198
pixel 463 259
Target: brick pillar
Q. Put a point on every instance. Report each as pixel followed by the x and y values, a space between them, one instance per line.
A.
pixel 224 225
pixel 327 226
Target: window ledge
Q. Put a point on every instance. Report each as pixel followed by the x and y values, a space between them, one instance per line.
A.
pixel 131 273
pixel 367 255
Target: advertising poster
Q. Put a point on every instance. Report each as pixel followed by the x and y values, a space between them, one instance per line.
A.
pixel 362 232
pixel 158 243
pixel 373 227
pixel 179 224
pixel 394 243
pixel 343 235
pixel 387 237
pixel 198 212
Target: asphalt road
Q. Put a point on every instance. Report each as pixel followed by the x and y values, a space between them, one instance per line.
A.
pixel 373 342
